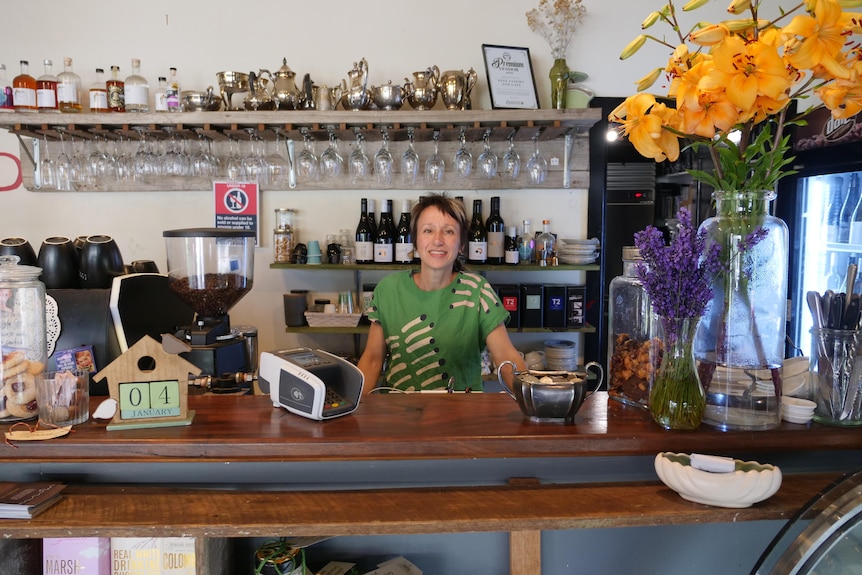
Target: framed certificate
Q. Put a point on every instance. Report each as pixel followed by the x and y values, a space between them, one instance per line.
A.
pixel 510 77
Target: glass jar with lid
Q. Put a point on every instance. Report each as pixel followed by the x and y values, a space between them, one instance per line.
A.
pixel 23 342
pixel 634 348
pixel 283 237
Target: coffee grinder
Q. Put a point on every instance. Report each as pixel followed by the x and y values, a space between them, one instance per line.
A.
pixel 210 269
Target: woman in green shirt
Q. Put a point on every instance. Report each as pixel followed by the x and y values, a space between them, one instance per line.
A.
pixel 434 323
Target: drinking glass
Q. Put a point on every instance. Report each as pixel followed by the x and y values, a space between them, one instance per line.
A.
pixel 307 163
pixel 233 166
pixel 253 165
pixel 383 163
pixel 97 160
pixel 277 165
pixel 410 162
pixel 511 161
pixel 488 160
pixel 358 164
pixel 435 166
pixel 537 167
pixel 47 170
pixel 201 163
pixel 80 173
pixel 64 168
pixel 174 161
pixel 125 165
pixel 463 158
pixel 331 162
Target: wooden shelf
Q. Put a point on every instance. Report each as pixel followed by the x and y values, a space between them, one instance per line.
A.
pixel 363 329
pixel 397 267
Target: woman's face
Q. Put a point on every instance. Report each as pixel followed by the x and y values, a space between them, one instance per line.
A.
pixel 438 238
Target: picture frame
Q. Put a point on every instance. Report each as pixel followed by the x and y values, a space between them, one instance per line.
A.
pixel 511 82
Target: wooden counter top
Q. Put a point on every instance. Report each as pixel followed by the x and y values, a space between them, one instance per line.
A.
pixel 410 427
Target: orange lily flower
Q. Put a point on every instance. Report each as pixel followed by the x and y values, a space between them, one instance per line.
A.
pixel 819 37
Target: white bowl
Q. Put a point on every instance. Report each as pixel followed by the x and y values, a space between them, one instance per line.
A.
pixel 750 483
pixel 797 407
pixel 798 419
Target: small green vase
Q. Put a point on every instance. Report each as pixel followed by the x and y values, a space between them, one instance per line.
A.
pixel 559 76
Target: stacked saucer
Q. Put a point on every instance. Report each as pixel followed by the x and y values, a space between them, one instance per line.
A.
pixel 578 252
pixel 797 410
pixel 561 355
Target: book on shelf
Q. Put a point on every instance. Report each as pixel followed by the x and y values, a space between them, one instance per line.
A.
pixel 23 500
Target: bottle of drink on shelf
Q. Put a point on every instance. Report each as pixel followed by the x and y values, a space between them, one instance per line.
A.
pixel 851 198
pixel 5 91
pixel 477 237
pixel 364 244
pixel 116 91
pixel 372 216
pixel 46 89
pixel 403 237
pixel 68 89
pixel 160 98
pixel 24 89
pixel 510 247
pixel 172 92
pixel 99 93
pixel 384 239
pixel 834 280
pixel 462 257
pixel 496 229
pixel 855 236
pixel 545 242
pixel 136 90
pixel 832 215
pixel 526 245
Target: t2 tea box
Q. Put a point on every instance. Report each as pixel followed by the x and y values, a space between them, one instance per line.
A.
pixel 531 305
pixel 84 555
pixel 510 297
pixel 555 305
pixel 576 297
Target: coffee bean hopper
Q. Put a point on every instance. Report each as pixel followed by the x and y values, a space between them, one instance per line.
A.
pixel 210 269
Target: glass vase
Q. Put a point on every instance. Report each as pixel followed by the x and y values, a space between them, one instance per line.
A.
pixel 739 346
pixel 559 76
pixel 677 400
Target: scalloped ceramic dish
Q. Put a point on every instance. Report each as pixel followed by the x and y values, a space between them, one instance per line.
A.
pixel 750 483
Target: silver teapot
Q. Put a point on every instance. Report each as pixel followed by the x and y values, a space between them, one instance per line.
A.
pixel 422 91
pixel 285 94
pixel 388 96
pixel 550 396
pixel 455 87
pixel 355 95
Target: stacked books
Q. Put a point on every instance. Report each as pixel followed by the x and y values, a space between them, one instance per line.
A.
pixel 22 500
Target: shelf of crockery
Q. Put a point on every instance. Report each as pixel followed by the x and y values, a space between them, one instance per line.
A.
pixel 559 135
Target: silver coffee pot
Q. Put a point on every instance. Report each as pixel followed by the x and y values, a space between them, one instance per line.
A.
pixel 355 94
pixel 285 94
pixel 422 91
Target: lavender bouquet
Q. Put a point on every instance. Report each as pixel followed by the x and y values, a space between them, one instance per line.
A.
pixel 678 279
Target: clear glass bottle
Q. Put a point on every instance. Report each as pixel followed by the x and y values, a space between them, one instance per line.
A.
pixel 46 89
pixel 5 91
pixel 283 237
pixel 633 340
pixel 99 93
pixel 24 89
pixel 546 254
pixel 116 91
pixel 68 89
pixel 161 95
pixel 136 90
pixel 173 93
pixel 526 245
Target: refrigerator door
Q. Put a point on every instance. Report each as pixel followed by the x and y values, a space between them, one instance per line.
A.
pixel 824 537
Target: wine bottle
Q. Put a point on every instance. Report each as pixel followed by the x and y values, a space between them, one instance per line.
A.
pixel 99 93
pixel 851 198
pixel 116 91
pixel 477 237
pixel 855 235
pixel 372 216
pixel 545 242
pixel 136 90
pixel 526 245
pixel 68 89
pixel 46 89
pixel 496 229
pixel 403 237
pixel 510 247
pixel 364 238
pixel 24 89
pixel 384 239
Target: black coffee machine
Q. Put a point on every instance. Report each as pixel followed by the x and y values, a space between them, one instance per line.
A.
pixel 211 269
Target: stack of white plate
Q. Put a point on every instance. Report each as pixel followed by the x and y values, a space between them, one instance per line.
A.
pixel 796 410
pixel 561 355
pixel 578 252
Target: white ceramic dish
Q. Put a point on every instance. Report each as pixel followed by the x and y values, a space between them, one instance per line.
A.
pixel 750 483
pixel 798 419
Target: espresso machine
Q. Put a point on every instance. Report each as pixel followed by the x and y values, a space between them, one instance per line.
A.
pixel 211 269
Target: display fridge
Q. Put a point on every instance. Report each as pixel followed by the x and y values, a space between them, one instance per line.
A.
pixel 818 204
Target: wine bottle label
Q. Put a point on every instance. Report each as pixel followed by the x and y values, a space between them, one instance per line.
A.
pixel 404 253
pixel 136 95
pixel 364 251
pixel 24 97
pixel 512 257
pixel 477 251
pixel 383 253
pixel 66 93
pixel 116 98
pixel 495 244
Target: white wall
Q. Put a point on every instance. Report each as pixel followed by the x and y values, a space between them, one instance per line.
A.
pixel 320 38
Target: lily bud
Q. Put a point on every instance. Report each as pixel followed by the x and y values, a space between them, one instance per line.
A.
pixel 633 46
pixel 739 6
pixel 709 35
pixel 648 80
pixel 650 20
pixel 850 3
pixel 694 5
pixel 741 25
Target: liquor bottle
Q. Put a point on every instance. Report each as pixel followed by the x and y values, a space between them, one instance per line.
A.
pixel 364 245
pixel 403 237
pixel 372 216
pixel 477 237
pixel 46 89
pixel 851 198
pixel 5 91
pixel 136 90
pixel 161 96
pixel 510 247
pixel 834 280
pixel 545 242
pixel 526 245
pixel 384 239
pixel 68 89
pixel 116 91
pixel 833 210
pixel 496 230
pixel 855 236
pixel 462 257
pixel 172 93
pixel 99 93
pixel 24 89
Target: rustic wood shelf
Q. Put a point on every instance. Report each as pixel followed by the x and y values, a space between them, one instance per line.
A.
pixel 396 267
pixel 363 329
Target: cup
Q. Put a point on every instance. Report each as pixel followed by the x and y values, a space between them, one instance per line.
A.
pixel 836 376
pixel 59 262
pixel 329 308
pixel 314 248
pixel 101 261
pixel 295 305
pixel 145 267
pixel 18 247
pixel 63 397
pixel 345 302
